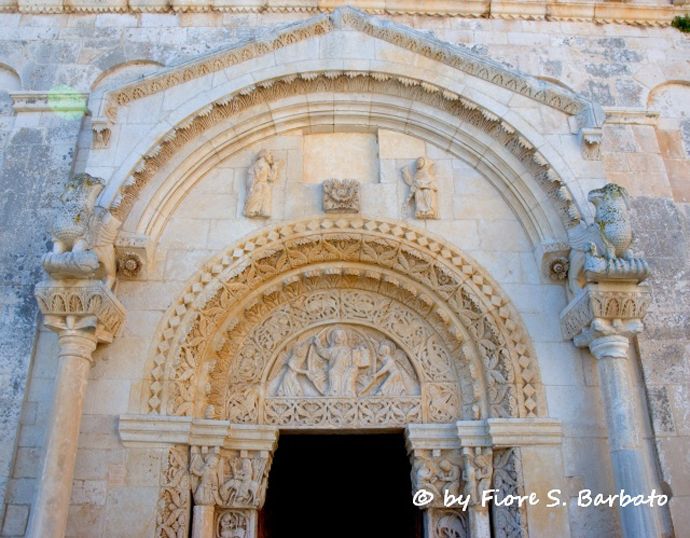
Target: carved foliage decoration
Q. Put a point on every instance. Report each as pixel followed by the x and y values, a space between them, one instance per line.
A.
pixel 174 503
pixel 508 521
pixel 449 524
pixel 439 278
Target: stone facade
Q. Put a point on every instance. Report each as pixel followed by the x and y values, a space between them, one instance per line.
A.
pixel 470 224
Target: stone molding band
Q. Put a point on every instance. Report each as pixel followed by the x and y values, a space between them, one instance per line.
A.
pixel 594 12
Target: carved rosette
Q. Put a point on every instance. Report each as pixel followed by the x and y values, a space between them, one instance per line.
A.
pixel 341 196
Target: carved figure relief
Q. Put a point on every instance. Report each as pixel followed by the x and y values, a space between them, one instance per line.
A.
pixel 420 176
pixel 232 524
pixel 477 472
pixel 245 482
pixel 341 196
pixel 260 178
pixel 437 471
pixel 450 524
pixel 205 470
pixel 344 362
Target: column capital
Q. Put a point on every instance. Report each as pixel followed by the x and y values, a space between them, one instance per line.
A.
pixel 604 309
pixel 80 305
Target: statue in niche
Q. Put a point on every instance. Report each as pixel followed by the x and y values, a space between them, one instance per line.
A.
pixel 344 363
pixel 206 475
pixel 421 177
pixel 260 178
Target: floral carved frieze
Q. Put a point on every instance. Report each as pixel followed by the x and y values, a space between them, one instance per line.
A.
pixel 239 294
pixel 174 503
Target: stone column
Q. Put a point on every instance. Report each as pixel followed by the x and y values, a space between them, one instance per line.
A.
pixel 82 314
pixel 603 318
pixel 477 457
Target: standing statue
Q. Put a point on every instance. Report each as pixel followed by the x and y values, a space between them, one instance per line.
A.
pixel 421 177
pixel 260 178
pixel 612 218
pixel 206 475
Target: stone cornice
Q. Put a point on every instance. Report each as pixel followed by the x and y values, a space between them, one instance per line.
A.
pixel 347 18
pixel 80 299
pixel 596 12
pixel 630 116
pixel 603 302
pixel 157 430
pixel 52 101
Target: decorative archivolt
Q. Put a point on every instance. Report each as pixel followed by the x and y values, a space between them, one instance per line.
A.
pixel 466 111
pixel 260 282
pixel 347 17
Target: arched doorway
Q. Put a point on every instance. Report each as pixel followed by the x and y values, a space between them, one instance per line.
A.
pixel 347 325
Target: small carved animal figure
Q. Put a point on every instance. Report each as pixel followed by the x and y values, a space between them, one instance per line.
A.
pixel 612 218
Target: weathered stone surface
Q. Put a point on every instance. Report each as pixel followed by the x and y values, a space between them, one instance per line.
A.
pixel 352 99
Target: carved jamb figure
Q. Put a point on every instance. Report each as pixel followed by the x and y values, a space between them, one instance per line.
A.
pixel 206 475
pixel 260 178
pixel 421 177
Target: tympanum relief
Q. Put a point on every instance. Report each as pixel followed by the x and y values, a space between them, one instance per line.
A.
pixel 342 374
pixel 343 362
pixel 261 176
pixel 421 178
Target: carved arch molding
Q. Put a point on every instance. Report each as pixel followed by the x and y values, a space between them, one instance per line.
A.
pixel 350 322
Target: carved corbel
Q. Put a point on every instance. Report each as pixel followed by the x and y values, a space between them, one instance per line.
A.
pixel 591 143
pixel 83 234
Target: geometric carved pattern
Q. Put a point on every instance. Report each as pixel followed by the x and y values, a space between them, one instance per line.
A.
pixel 237 290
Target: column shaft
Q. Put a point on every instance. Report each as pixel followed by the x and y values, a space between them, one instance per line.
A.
pixel 49 513
pixel 629 464
pixel 202 521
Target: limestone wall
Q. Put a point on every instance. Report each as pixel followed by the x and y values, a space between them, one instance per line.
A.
pixel 615 65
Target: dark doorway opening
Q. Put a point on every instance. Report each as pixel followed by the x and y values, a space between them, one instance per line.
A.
pixel 340 486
